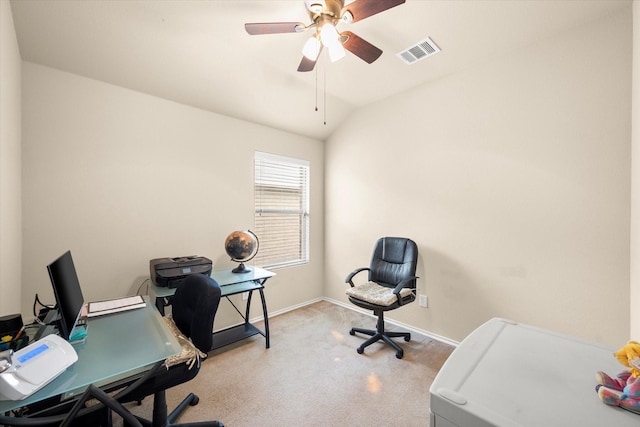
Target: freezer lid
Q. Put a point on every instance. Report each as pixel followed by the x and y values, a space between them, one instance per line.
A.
pixel 510 374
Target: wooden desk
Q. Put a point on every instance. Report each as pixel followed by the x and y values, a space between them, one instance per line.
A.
pixel 230 284
pixel 118 346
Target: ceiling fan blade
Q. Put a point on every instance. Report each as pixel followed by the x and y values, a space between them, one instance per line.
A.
pixel 361 9
pixel 258 28
pixel 360 47
pixel 306 64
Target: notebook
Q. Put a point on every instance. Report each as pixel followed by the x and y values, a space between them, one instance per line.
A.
pixel 100 308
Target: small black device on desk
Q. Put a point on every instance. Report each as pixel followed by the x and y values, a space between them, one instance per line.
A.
pixel 11 332
pixel 170 272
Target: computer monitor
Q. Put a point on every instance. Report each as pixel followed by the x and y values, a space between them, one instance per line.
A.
pixel 66 288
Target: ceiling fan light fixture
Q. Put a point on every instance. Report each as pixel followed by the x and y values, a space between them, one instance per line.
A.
pixel 336 52
pixel 311 48
pixel 329 36
pixel 325 15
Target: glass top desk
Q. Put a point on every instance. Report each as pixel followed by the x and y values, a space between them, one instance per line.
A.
pixel 109 355
pixel 230 284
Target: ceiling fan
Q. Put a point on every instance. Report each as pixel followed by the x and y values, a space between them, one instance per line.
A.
pixel 325 15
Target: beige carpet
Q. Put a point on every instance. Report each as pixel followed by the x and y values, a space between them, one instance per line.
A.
pixel 313 376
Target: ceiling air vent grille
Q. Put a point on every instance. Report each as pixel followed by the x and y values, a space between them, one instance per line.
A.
pixel 421 50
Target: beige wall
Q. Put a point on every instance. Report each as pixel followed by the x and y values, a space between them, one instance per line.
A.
pixel 119 178
pixel 10 166
pixel 513 177
pixel 635 183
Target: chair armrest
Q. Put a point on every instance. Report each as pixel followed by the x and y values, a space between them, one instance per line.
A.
pixel 353 273
pixel 403 284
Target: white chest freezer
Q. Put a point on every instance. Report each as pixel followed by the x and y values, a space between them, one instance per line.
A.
pixel 513 375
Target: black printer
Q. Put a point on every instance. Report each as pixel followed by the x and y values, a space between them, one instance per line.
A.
pixel 169 272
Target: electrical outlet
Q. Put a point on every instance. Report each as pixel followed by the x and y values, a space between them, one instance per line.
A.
pixel 423 301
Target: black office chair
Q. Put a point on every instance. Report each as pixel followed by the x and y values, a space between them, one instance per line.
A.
pixel 391 284
pixel 194 307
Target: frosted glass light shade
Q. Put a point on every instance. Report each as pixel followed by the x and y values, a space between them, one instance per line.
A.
pixel 336 52
pixel 311 48
pixel 331 40
pixel 329 35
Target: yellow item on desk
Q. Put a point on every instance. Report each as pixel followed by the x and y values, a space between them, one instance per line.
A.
pixel 5 342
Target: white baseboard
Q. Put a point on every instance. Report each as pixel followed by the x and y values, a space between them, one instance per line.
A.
pixel 290 308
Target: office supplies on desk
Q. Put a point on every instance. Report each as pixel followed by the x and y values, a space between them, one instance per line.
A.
pixel 10 324
pixel 100 308
pixel 79 335
pixel 11 332
pixel 34 366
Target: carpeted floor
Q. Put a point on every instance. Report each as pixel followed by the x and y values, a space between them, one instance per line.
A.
pixel 313 376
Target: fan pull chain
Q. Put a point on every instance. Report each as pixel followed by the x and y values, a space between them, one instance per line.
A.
pixel 325 92
pixel 324 88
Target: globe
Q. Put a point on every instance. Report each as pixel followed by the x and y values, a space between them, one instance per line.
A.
pixel 241 246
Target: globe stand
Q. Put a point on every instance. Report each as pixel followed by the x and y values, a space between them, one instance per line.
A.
pixel 241 269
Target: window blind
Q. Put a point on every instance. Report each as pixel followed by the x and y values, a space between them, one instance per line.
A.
pixel 281 195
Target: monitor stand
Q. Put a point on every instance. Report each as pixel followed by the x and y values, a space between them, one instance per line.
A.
pixel 49 325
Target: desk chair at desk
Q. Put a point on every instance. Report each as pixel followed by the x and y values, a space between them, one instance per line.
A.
pixel 195 304
pixel 230 284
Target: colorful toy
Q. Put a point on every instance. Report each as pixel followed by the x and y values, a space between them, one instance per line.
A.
pixel 624 390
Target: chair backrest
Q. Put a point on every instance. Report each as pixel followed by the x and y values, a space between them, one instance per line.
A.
pixel 194 307
pixel 394 259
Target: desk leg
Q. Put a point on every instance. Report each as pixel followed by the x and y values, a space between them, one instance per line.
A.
pixel 248 308
pixel 266 317
pixel 160 305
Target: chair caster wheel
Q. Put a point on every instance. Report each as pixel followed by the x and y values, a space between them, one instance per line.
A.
pixel 399 355
pixel 407 339
pixel 194 401
pixel 352 332
pixel 360 350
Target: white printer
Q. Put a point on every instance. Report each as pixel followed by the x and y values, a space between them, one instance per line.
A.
pixel 513 375
pixel 34 366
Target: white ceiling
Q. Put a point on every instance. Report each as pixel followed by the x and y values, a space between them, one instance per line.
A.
pixel 198 53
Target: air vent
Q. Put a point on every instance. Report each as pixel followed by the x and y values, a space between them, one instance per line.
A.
pixel 421 50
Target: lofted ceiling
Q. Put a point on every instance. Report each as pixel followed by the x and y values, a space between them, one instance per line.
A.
pixel 198 53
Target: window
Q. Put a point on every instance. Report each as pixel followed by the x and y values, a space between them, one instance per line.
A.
pixel 281 197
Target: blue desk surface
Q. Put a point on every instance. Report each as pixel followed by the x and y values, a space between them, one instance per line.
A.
pixel 118 345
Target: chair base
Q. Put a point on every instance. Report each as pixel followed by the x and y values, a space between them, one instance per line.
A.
pixel 381 334
pixel 160 417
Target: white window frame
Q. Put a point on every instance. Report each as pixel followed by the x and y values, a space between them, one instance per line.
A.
pixel 282 228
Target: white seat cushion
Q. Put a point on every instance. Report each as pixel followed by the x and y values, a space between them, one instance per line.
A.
pixel 376 294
